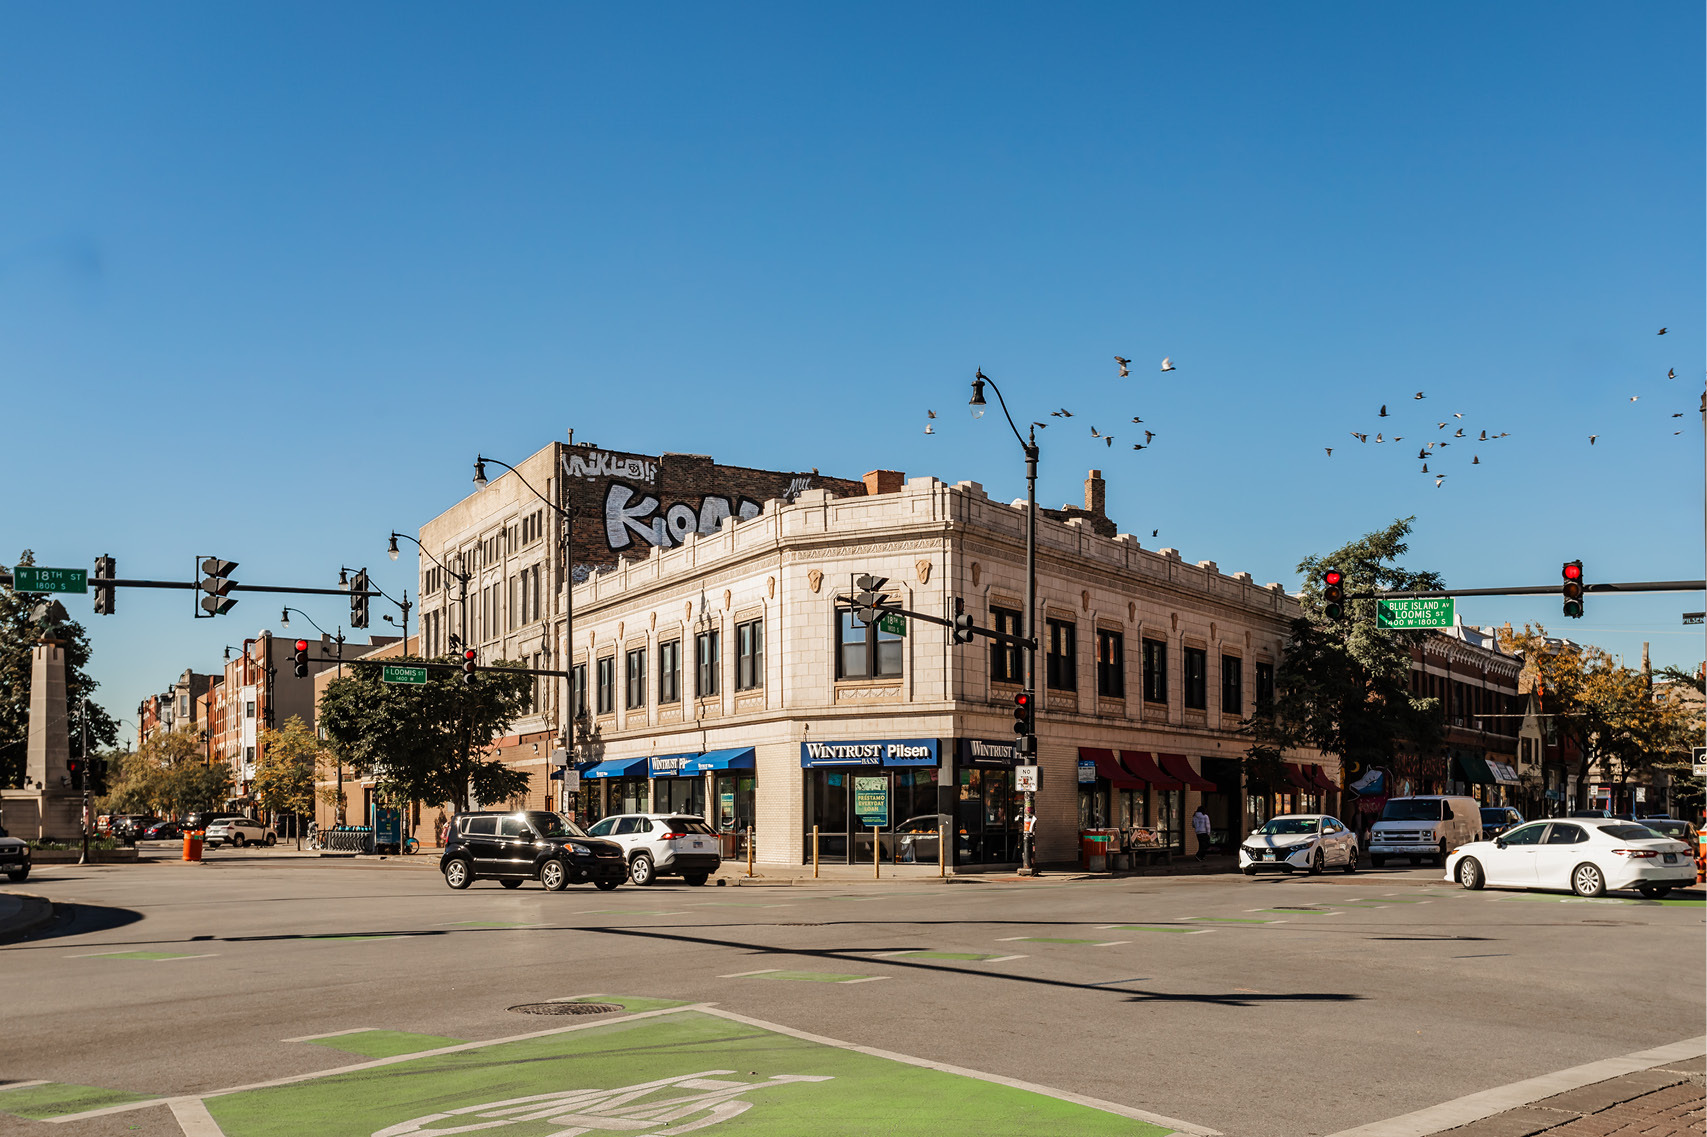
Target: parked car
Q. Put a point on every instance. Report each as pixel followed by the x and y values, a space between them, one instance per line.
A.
pixel 663 844
pixel 1601 813
pixel 205 818
pixel 14 857
pixel 1675 828
pixel 1496 819
pixel 918 840
pixel 163 831
pixel 1587 856
pixel 124 825
pixel 528 845
pixel 1293 842
pixel 1426 827
pixel 238 831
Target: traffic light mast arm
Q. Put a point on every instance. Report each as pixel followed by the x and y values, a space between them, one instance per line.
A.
pixel 108 582
pixel 1536 590
pixel 929 619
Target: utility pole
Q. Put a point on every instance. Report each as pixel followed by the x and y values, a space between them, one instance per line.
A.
pixel 83 775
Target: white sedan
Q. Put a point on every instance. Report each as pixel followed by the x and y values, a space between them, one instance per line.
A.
pixel 1586 855
pixel 1308 841
pixel 239 831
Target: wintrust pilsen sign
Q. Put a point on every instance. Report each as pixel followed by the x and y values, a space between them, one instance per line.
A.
pixel 892 752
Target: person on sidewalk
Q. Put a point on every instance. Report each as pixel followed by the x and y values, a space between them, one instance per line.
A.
pixel 1200 826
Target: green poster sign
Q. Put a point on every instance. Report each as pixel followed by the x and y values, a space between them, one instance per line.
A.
pixel 1434 612
pixel 892 622
pixel 394 674
pixel 871 801
pixel 30 578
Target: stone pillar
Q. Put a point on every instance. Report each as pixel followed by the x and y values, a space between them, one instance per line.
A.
pixel 48 805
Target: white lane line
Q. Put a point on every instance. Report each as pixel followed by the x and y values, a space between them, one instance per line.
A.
pixel 193 1118
pixel 999 959
pixel 1111 943
pixel 1474 1107
pixel 961 1071
pixel 744 974
pixel 329 1034
pixel 862 979
pixel 132 959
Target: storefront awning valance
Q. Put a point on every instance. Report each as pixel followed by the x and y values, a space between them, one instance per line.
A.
pixel 1474 768
pixel 1503 773
pixel 691 764
pixel 1319 778
pixel 1296 777
pixel 1142 766
pixel 1109 769
pixel 615 768
pixel 1180 767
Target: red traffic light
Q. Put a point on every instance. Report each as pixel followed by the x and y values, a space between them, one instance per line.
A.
pixel 469 654
pixel 1332 576
pixel 1573 570
pixel 301 645
pixel 1023 699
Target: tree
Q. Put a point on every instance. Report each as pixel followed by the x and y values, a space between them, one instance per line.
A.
pixel 425 742
pixel 1343 687
pixel 286 771
pixel 168 776
pixel 18 638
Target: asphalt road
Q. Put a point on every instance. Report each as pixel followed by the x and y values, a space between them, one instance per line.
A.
pixel 1270 1007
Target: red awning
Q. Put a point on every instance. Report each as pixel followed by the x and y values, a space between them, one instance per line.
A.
pixel 1180 767
pixel 1295 774
pixel 1320 778
pixel 1143 767
pixel 1109 769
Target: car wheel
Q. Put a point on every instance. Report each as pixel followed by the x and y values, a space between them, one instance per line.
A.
pixel 1470 873
pixel 17 875
pixel 694 878
pixel 458 874
pixel 1318 863
pixel 1586 880
pixel 1351 860
pixel 606 883
pixel 512 882
pixel 237 840
pixel 1440 857
pixel 1249 871
pixel 554 875
pixel 640 870
pixel 1377 862
pixel 271 840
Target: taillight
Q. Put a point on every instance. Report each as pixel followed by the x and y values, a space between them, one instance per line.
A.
pixel 1635 854
pixel 673 836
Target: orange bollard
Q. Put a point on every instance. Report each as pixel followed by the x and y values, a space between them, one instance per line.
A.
pixel 193 845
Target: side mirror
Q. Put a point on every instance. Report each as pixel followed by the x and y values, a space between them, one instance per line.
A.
pixel 1499 842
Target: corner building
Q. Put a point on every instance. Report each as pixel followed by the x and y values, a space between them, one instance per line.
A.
pixel 720 673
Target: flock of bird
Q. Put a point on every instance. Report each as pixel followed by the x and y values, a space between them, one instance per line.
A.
pixel 1125 366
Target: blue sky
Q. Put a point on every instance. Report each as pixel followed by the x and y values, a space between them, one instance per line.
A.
pixel 271 275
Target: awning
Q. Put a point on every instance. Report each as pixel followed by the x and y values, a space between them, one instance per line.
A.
pixel 1475 769
pixel 1140 765
pixel 740 758
pixel 615 768
pixel 1503 773
pixel 693 764
pixel 1180 767
pixel 1109 769
pixel 1296 777
pixel 1319 777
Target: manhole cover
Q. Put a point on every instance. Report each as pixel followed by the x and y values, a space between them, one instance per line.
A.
pixel 567 1008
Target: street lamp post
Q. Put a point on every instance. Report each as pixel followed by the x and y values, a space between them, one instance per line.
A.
pixel 460 577
pixel 1029 631
pixel 338 640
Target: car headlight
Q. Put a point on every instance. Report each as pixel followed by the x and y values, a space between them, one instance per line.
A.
pixel 580 850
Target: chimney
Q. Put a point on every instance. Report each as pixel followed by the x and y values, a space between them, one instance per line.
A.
pixel 1096 493
pixel 884 481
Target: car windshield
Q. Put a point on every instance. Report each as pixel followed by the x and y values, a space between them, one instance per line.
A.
pixel 1631 833
pixel 1411 809
pixel 1668 828
pixel 1287 827
pixel 553 825
pixel 1493 816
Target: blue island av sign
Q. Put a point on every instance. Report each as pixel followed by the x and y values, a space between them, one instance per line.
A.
pixel 891 752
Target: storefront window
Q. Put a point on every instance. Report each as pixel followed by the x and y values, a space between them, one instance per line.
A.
pixel 734 804
pixel 630 795
pixel 1095 805
pixel 1170 818
pixel 679 795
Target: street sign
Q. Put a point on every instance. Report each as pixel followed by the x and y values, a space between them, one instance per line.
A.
pixel 871 801
pixel 1699 754
pixel 395 674
pixel 30 578
pixel 892 622
pixel 1025 779
pixel 1433 612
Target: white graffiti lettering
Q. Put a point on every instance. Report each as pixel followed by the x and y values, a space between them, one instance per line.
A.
pixel 628 519
pixel 599 464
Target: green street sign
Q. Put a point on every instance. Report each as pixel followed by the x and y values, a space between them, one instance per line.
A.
pixel 892 622
pixel 394 674
pixel 1434 612
pixel 871 801
pixel 30 578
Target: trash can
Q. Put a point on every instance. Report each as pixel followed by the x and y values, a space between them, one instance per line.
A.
pixel 193 844
pixel 1094 848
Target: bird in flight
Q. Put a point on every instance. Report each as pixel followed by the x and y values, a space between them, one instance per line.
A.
pixel 1455 414
pixel 929 429
pixel 1137 446
pixel 1661 332
pixel 1330 450
pixel 1425 467
pixel 1484 437
pixel 1383 413
pixel 1444 445
pixel 1378 436
pixel 1438 480
pixel 1398 438
pixel 1108 440
pixel 1633 398
pixel 1168 365
pixel 1421 454
pixel 1440 425
pixel 1094 433
pixel 1591 439
pixel 1062 413
pixel 1460 433
pixel 1360 437
pixel 1418 395
pixel 1135 418
pixel 1153 532
pixel 1672 374
pixel 1679 414
pixel 1123 364
pixel 1475 460
pixel 1148 434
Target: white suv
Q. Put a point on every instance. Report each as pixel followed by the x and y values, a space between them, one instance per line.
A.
pixel 239 831
pixel 663 844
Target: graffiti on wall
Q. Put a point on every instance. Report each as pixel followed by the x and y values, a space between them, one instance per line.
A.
pixel 594 464
pixel 633 515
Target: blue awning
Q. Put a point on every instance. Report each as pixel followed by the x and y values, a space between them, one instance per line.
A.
pixel 615 768
pixel 690 765
pixel 740 758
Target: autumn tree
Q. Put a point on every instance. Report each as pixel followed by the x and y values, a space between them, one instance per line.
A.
pixel 169 776
pixel 287 769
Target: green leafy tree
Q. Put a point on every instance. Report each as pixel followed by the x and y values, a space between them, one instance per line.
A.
pixel 427 742
pixel 285 773
pixel 168 775
pixel 18 638
pixel 1343 687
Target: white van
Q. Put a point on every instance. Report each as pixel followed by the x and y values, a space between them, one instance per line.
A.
pixel 1429 826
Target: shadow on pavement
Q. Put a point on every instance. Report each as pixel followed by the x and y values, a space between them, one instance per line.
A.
pixel 80 920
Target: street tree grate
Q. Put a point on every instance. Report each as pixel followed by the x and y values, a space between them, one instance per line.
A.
pixel 567 1008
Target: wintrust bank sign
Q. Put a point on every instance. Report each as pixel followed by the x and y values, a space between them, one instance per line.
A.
pixel 894 752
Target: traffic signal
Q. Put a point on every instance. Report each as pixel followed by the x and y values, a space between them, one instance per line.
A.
pixel 299 659
pixel 96 768
pixel 1025 741
pixel 358 599
pixel 1573 589
pixel 468 668
pixel 1333 594
pixel 215 585
pixel 74 767
pixel 963 624
pixel 867 597
pixel 106 568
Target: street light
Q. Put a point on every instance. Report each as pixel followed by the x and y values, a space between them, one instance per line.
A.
pixel 391 549
pixel 1028 631
pixel 461 579
pixel 480 472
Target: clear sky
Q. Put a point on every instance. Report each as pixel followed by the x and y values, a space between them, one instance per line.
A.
pixel 270 275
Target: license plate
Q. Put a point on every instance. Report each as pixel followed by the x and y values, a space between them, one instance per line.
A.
pixel 699 844
pixel 1670 858
pixel 1268 856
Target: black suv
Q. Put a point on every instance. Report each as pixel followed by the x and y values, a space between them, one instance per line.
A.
pixel 528 845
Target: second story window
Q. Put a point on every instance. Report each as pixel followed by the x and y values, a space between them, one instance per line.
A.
pixel 1111 664
pixel 670 672
pixel 607 685
pixel 749 655
pixel 635 685
pixel 1005 665
pixel 1061 666
pixel 1196 676
pixel 1265 685
pixel 1232 685
pixel 707 647
pixel 577 691
pixel 1155 671
pixel 865 651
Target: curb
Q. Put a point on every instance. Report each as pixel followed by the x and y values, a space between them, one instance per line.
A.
pixel 34 911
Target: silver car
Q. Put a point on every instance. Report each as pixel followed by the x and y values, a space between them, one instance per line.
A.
pixel 1299 842
pixel 663 844
pixel 238 831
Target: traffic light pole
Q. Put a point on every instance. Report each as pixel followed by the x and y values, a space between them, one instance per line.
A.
pixel 83 776
pixel 1536 590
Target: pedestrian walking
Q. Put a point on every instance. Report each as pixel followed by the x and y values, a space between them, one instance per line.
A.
pixel 1200 826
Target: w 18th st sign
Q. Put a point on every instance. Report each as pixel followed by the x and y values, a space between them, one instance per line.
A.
pixel 1433 612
